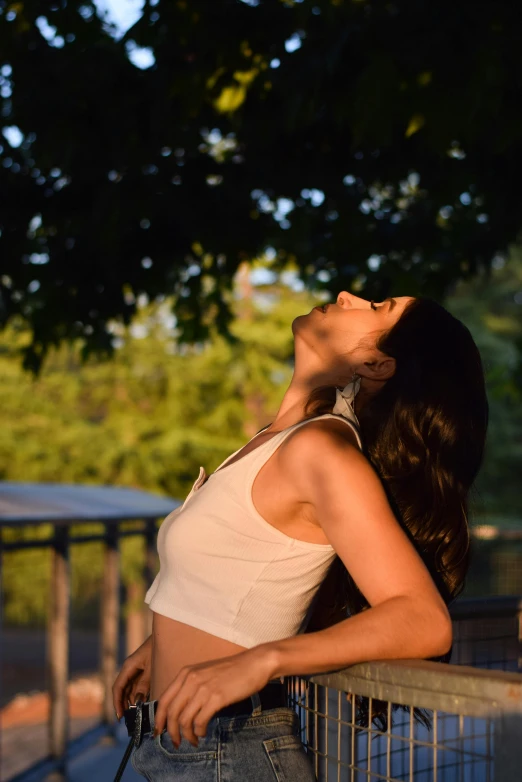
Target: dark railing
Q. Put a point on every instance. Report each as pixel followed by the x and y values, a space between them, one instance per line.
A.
pixel 67 507
pixel 58 623
pixel 487 632
pixel 472 631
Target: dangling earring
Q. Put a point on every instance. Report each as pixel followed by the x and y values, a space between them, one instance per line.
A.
pixel 345 398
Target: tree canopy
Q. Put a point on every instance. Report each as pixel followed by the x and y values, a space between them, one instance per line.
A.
pixel 378 145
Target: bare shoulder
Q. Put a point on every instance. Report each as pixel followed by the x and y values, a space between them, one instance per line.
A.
pixel 344 495
pixel 322 452
pixel 329 438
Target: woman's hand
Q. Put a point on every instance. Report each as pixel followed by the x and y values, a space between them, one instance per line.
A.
pixel 199 691
pixel 133 681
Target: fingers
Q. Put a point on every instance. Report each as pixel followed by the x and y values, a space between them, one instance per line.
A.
pixel 167 700
pixel 139 691
pixel 187 705
pixel 119 694
pixel 191 723
pixel 186 715
pixel 139 697
pixel 126 688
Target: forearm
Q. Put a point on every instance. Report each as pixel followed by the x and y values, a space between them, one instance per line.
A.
pixel 399 628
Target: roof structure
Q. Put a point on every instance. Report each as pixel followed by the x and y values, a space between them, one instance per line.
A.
pixel 63 503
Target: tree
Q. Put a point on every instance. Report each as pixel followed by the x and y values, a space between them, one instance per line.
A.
pixel 160 409
pixel 376 144
pixel 491 306
pixel 147 419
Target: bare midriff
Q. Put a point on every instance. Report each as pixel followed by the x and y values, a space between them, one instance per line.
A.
pixel 176 644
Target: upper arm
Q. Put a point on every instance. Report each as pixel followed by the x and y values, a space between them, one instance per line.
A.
pixel 349 502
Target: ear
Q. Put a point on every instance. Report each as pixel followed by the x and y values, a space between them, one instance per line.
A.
pixel 381 368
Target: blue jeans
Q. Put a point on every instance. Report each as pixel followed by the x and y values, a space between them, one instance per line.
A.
pixel 264 746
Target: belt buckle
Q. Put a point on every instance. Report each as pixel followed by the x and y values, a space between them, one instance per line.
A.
pixel 136 737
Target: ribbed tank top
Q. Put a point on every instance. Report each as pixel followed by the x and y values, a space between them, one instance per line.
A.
pixel 226 570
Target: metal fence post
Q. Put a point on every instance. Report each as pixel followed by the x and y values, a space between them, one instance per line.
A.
pixel 58 647
pixel 110 614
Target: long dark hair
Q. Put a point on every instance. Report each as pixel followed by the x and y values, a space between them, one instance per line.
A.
pixel 424 434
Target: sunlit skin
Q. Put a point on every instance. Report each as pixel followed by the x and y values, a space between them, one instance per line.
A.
pixel 331 346
pixel 193 673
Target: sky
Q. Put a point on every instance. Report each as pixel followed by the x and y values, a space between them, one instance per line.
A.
pixel 124 13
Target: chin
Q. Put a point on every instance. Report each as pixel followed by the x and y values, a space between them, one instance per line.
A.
pixel 299 323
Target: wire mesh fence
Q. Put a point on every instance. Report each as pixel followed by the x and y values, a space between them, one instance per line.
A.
pixel 469 737
pixel 487 633
pixel 471 729
pixel 496 557
pixel 489 643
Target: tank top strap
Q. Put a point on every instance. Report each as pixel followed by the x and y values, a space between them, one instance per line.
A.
pixel 261 454
pixel 355 429
pixel 353 426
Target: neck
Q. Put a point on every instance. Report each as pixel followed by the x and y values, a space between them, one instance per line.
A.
pixel 293 405
pixel 364 395
pixel 292 408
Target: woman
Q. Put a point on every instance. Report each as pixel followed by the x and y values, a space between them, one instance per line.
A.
pixel 300 506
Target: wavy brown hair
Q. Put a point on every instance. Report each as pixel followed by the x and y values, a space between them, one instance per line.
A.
pixel 424 434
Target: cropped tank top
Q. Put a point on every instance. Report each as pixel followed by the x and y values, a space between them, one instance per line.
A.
pixel 226 570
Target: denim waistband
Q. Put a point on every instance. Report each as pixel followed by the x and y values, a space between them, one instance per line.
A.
pixel 258 716
pixel 279 714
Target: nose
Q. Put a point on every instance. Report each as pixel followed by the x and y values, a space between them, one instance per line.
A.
pixel 345 299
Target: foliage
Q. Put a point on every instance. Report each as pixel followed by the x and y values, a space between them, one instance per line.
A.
pixel 491 306
pixel 160 409
pixel 377 144
pixel 147 419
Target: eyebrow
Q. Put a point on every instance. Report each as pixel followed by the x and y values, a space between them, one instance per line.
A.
pixel 392 303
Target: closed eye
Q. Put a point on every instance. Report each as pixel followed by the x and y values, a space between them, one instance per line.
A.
pixel 390 300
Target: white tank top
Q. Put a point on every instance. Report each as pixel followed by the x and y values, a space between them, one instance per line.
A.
pixel 226 570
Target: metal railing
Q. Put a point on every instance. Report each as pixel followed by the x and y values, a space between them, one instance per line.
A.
pixel 475 716
pixel 58 628
pixel 451 691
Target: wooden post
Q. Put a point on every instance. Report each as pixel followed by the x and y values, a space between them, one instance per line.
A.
pixel 519 615
pixel 134 624
pixel 58 647
pixel 110 614
pixel 149 571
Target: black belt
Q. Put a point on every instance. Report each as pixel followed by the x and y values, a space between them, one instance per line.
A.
pixel 272 696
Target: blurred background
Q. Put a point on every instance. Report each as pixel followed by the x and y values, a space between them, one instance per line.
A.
pixel 179 179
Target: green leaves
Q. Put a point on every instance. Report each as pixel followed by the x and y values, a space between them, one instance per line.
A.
pixel 491 306
pixel 149 418
pixel 115 158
